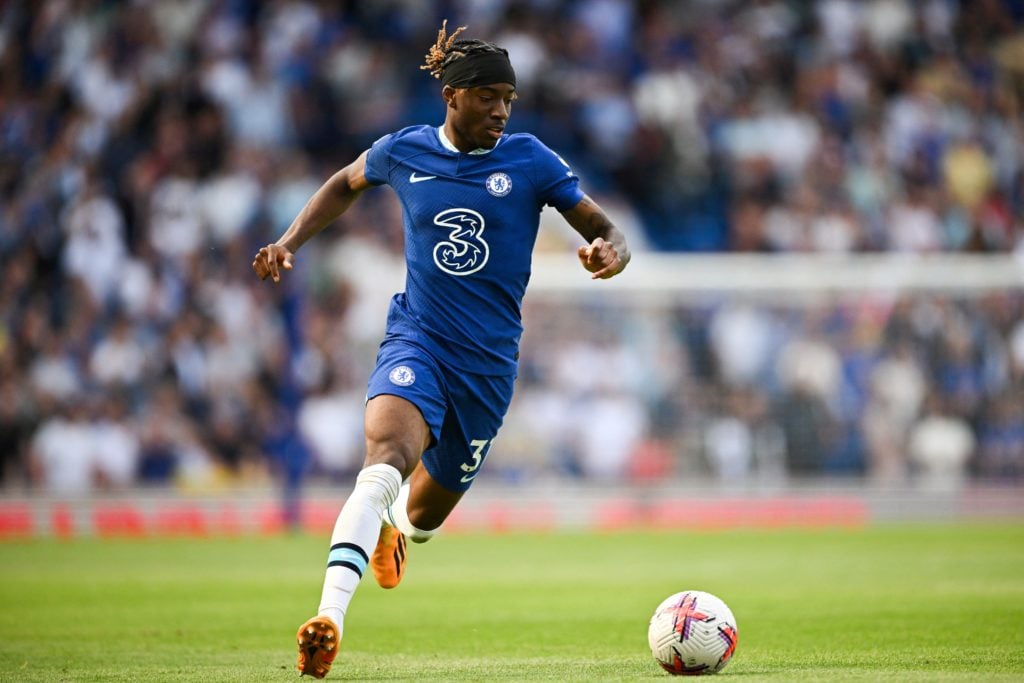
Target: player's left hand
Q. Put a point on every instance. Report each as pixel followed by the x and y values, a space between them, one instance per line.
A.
pixel 601 259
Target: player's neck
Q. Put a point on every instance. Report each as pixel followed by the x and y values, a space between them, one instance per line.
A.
pixel 455 140
pixel 452 141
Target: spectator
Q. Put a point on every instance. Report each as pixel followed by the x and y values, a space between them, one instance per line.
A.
pixel 897 390
pixel 742 339
pixel 94 250
pixel 808 428
pixel 61 458
pixel 940 446
pixel 16 427
pixel 115 444
pixel 611 426
pixel 118 361
pixel 330 421
pixel 746 440
pixel 1001 439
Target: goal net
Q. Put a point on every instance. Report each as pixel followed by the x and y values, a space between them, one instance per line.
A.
pixel 771 368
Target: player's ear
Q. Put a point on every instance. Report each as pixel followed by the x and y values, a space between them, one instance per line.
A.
pixel 448 93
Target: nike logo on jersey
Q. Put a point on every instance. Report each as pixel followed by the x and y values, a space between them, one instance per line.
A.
pixel 413 178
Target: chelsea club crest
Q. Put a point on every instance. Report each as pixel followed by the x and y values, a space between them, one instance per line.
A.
pixel 498 184
pixel 403 376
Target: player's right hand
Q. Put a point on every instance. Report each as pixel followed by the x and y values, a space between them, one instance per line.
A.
pixel 270 260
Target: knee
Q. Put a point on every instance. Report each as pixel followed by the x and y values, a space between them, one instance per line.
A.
pixel 401 456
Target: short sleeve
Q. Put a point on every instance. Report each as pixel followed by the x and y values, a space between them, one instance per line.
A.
pixel 378 160
pixel 557 184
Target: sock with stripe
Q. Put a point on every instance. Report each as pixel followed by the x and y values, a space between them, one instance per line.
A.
pixel 397 515
pixel 355 536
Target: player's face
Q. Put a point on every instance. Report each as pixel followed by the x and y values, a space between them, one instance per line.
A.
pixel 478 115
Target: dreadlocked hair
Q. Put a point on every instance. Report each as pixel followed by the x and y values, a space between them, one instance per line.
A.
pixel 447 49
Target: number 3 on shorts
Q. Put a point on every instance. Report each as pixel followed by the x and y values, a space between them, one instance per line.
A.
pixel 479 453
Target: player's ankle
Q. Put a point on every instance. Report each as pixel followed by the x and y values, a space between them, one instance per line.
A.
pixel 335 615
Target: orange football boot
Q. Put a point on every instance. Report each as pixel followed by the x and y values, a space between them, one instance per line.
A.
pixel 318 646
pixel 388 561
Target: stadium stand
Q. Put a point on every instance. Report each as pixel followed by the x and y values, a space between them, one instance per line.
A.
pixel 148 148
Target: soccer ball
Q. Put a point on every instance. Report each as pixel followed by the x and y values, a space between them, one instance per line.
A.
pixel 692 633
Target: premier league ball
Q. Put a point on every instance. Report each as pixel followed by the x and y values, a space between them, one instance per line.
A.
pixel 692 633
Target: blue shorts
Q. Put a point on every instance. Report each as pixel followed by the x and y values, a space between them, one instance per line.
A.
pixel 464 411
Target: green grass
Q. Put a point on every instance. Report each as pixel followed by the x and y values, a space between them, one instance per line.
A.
pixel 917 603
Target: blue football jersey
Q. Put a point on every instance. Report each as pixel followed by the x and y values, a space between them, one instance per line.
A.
pixel 470 223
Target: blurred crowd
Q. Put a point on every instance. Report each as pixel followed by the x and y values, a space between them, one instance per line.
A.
pixel 894 389
pixel 147 149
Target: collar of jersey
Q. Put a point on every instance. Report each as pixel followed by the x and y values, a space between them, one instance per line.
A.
pixel 449 146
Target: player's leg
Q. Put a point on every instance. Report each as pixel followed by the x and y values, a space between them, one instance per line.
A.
pixel 396 435
pixel 476 408
pixel 404 411
pixel 416 520
pixel 422 506
pixel 417 514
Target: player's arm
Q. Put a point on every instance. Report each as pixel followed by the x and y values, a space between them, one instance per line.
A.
pixel 605 254
pixel 327 203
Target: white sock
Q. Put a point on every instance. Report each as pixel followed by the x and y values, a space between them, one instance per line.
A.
pixel 397 515
pixel 355 536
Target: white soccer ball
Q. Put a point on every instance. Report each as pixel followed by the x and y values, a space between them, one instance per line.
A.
pixel 692 633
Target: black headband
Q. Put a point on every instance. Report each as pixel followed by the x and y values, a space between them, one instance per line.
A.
pixel 481 68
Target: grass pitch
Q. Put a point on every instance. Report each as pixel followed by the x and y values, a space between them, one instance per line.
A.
pixel 917 603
